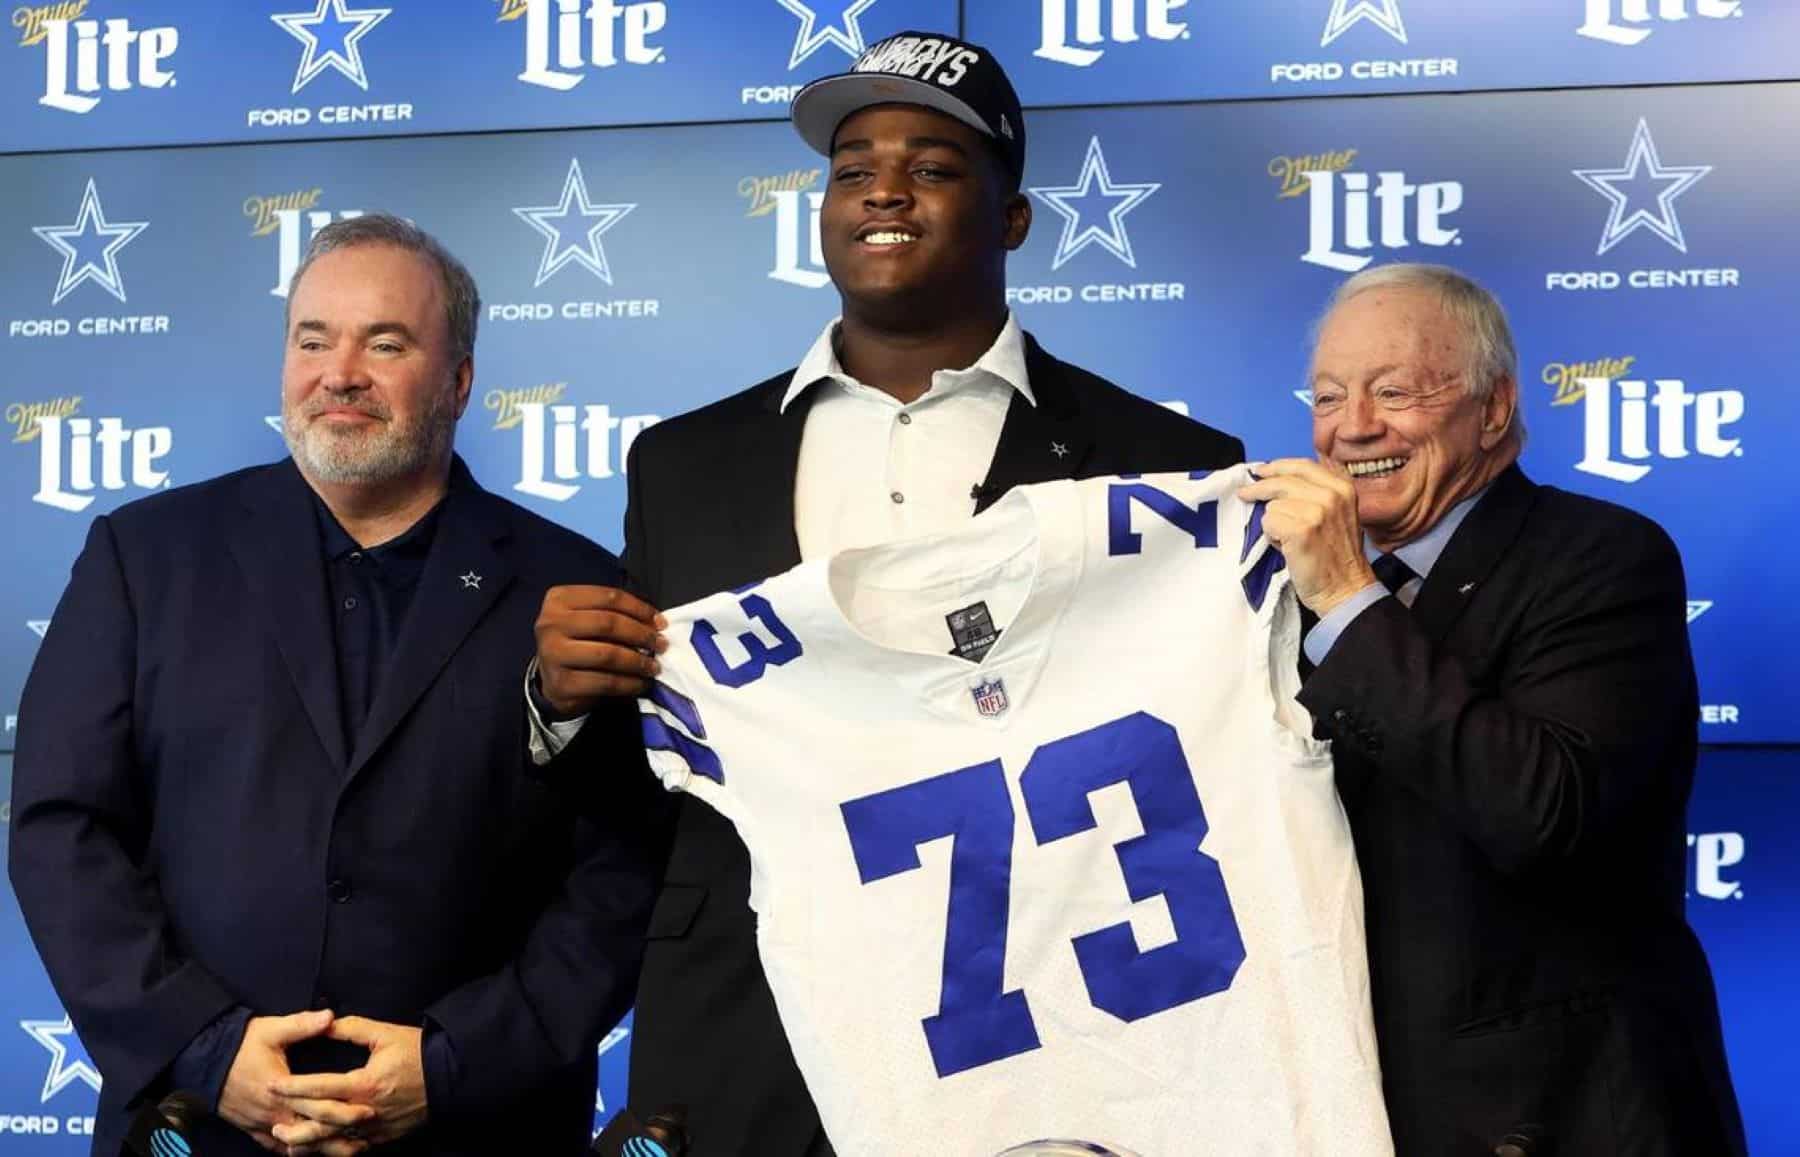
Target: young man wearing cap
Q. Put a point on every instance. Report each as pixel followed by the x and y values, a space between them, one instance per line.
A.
pixel 919 407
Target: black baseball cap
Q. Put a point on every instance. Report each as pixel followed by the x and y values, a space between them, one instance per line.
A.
pixel 952 76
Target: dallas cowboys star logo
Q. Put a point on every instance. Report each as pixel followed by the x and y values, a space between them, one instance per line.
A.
pixel 1067 201
pixel 347 27
pixel 845 31
pixel 38 627
pixel 1383 14
pixel 59 1037
pixel 552 222
pixel 1698 607
pixel 470 581
pixel 101 262
pixel 1642 167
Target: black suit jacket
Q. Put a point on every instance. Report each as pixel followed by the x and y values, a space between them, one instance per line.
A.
pixel 1515 754
pixel 190 834
pixel 712 507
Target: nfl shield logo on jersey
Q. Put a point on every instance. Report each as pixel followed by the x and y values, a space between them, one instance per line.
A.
pixel 990 697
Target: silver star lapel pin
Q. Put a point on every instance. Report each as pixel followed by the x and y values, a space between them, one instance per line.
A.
pixel 1058 449
pixel 1465 588
pixel 471 581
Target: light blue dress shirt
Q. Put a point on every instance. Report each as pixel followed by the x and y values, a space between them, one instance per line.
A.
pixel 1421 554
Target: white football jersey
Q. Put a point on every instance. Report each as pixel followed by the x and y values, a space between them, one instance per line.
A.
pixel 1041 845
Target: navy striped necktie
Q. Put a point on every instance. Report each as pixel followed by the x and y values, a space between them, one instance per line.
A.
pixel 1393 572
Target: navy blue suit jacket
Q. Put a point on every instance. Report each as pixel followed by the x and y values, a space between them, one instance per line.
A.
pixel 190 834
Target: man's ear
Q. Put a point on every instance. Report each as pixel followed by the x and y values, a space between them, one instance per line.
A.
pixel 1497 412
pixel 465 378
pixel 1018 221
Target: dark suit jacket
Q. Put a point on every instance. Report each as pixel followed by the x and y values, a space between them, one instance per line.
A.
pixel 182 804
pixel 1515 754
pixel 712 507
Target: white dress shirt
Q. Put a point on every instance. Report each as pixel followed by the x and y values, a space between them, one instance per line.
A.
pixel 872 469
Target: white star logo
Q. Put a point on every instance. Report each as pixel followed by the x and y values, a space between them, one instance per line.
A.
pixel 558 253
pixel 845 31
pixel 1304 396
pixel 273 421
pixel 1642 164
pixel 346 54
pixel 101 267
pixel 1698 607
pixel 1064 200
pixel 1384 14
pixel 37 627
pixel 58 1036
pixel 471 581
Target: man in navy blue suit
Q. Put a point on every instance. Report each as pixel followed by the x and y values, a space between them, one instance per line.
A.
pixel 272 832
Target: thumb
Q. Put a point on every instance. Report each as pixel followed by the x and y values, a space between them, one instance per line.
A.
pixel 281 1031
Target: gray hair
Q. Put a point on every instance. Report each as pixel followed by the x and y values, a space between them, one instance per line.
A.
pixel 1477 312
pixel 462 301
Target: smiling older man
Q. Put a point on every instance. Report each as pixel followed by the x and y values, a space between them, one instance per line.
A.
pixel 1504 670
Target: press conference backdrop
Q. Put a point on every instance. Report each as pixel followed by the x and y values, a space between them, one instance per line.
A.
pixel 1192 215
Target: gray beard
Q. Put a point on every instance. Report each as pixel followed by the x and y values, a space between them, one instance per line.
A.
pixel 385 454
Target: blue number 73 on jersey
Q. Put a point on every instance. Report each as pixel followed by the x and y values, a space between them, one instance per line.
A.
pixel 977 1022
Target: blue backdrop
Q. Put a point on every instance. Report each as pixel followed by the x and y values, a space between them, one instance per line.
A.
pixel 1637 234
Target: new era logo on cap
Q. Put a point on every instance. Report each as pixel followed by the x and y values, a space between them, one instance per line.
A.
pixel 940 72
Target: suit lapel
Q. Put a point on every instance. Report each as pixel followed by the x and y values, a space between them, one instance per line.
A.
pixel 465 574
pixel 1472 552
pixel 768 457
pixel 276 546
pixel 1038 443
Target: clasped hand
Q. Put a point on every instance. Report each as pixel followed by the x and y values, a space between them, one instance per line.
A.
pixel 327 1114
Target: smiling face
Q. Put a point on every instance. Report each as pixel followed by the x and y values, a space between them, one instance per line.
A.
pixel 1391 404
pixel 917 217
pixel 371 387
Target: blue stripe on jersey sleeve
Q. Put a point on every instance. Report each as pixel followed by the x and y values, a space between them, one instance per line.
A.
pixel 701 759
pixel 1258 577
pixel 1252 528
pixel 678 705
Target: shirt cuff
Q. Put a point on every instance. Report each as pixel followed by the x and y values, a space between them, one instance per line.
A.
pixel 201 1068
pixel 438 1058
pixel 549 735
pixel 1325 632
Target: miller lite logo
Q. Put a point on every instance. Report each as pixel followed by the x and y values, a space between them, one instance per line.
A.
pixel 1601 23
pixel 83 58
pixel 1566 377
pixel 294 218
pixel 1619 439
pixel 562 444
pixel 990 697
pixel 1350 214
pixel 563 37
pixel 1086 20
pixel 23 416
pixel 1292 174
pixel 126 458
pixel 505 403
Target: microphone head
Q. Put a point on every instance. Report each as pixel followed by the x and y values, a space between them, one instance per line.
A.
pixel 182 1110
pixel 169 1143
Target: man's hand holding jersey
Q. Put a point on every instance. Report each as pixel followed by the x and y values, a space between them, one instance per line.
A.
pixel 1311 517
pixel 595 643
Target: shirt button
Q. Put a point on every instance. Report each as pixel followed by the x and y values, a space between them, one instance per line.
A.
pixel 350 603
pixel 339 890
pixel 897 497
pixel 906 419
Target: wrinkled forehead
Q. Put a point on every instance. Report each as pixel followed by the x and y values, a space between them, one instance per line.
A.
pixel 1400 328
